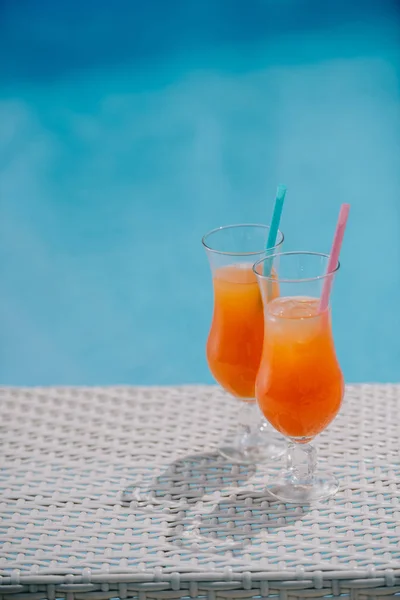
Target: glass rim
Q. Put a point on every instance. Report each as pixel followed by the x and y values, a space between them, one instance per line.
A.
pixel 227 253
pixel 298 279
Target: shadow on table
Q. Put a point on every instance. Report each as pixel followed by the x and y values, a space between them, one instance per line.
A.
pixel 188 480
pixel 206 506
pixel 232 523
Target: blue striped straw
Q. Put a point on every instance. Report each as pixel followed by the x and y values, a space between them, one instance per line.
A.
pixel 274 227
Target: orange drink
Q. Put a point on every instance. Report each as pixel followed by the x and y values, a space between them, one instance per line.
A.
pixel 235 339
pixel 300 385
pixel 236 336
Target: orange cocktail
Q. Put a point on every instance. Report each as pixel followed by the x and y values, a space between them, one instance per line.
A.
pixel 236 336
pixel 235 339
pixel 300 385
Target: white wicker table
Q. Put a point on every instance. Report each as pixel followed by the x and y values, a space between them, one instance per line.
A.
pixel 118 492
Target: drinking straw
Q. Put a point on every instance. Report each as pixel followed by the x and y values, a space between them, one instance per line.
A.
pixel 274 227
pixel 334 255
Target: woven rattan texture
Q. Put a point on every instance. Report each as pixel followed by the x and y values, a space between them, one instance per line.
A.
pixel 111 492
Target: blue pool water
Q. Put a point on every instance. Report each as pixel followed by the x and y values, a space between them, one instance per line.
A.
pixel 130 129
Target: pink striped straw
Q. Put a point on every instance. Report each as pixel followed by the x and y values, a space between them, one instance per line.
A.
pixel 334 255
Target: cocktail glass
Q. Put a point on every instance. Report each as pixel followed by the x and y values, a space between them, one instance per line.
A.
pixel 300 385
pixel 236 335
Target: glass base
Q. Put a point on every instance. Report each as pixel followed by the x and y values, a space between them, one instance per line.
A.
pixel 255 440
pixel 289 489
pixel 255 446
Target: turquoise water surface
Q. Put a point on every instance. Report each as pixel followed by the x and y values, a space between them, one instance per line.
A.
pixel 129 129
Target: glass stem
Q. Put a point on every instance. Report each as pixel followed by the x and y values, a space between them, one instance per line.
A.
pixel 247 414
pixel 301 463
